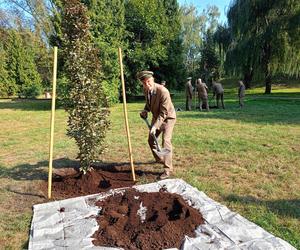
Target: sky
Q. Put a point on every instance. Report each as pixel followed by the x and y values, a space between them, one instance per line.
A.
pixel 202 4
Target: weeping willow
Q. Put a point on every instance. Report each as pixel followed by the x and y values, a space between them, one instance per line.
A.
pixel 265 38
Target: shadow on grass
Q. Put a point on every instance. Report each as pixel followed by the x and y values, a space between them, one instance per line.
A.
pixel 39 171
pixel 26 243
pixel 26 104
pixel 141 168
pixel 255 111
pixel 24 194
pixel 288 208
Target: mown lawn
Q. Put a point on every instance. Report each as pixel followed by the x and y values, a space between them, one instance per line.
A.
pixel 247 159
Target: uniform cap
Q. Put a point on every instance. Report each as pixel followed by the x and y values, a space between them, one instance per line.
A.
pixel 144 74
pixel 189 78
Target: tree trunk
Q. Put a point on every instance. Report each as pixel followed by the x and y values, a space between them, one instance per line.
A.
pixel 248 75
pixel 268 84
pixel 266 62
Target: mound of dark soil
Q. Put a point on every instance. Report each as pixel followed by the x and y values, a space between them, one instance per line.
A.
pixel 133 220
pixel 139 220
pixel 70 182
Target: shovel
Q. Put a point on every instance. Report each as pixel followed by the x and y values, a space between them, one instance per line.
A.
pixel 159 151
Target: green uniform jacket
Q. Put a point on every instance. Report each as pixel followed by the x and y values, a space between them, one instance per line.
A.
pixel 217 88
pixel 202 90
pixel 241 92
pixel 160 105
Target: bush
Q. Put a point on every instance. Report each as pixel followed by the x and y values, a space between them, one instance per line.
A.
pixel 31 90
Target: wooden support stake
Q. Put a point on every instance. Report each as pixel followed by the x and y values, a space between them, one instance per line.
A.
pixel 195 98
pixel 125 114
pixel 52 123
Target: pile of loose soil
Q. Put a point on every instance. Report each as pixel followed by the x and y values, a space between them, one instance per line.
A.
pixel 140 220
pixel 71 182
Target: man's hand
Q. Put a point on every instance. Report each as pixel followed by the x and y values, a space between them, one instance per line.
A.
pixel 144 114
pixel 153 130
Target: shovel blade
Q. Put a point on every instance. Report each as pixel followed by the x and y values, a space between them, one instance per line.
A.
pixel 162 152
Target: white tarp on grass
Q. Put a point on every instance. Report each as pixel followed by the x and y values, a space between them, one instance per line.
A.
pixel 69 224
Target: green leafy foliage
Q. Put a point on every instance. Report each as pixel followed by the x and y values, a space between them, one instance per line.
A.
pixel 222 37
pixel 201 58
pixel 150 30
pixel 173 69
pixel 63 88
pixel 55 38
pixel 4 81
pixel 192 27
pixel 31 90
pixel 23 75
pixel 86 104
pixel 263 38
pixel 108 30
pixel 210 60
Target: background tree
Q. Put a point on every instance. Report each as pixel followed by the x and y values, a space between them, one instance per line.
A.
pixel 200 47
pixel 210 62
pixel 23 75
pixel 4 81
pixel 55 38
pixel 212 15
pixel 149 37
pixel 172 69
pixel 222 37
pixel 192 31
pixel 240 62
pixel 34 13
pixel 108 31
pixel 26 21
pixel 263 39
pixel 42 56
pixel 87 104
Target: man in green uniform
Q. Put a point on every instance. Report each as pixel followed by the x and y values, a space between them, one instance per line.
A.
pixel 202 94
pixel 218 91
pixel 159 103
pixel 188 94
pixel 241 93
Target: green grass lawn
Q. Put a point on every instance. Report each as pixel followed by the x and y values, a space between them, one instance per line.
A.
pixel 247 159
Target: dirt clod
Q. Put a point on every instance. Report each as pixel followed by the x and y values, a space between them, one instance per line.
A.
pixel 167 220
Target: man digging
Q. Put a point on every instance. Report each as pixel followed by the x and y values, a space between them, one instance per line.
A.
pixel 202 94
pixel 159 103
pixel 218 91
pixel 188 94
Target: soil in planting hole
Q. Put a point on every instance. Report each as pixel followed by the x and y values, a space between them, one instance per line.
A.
pixel 140 220
pixel 72 183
